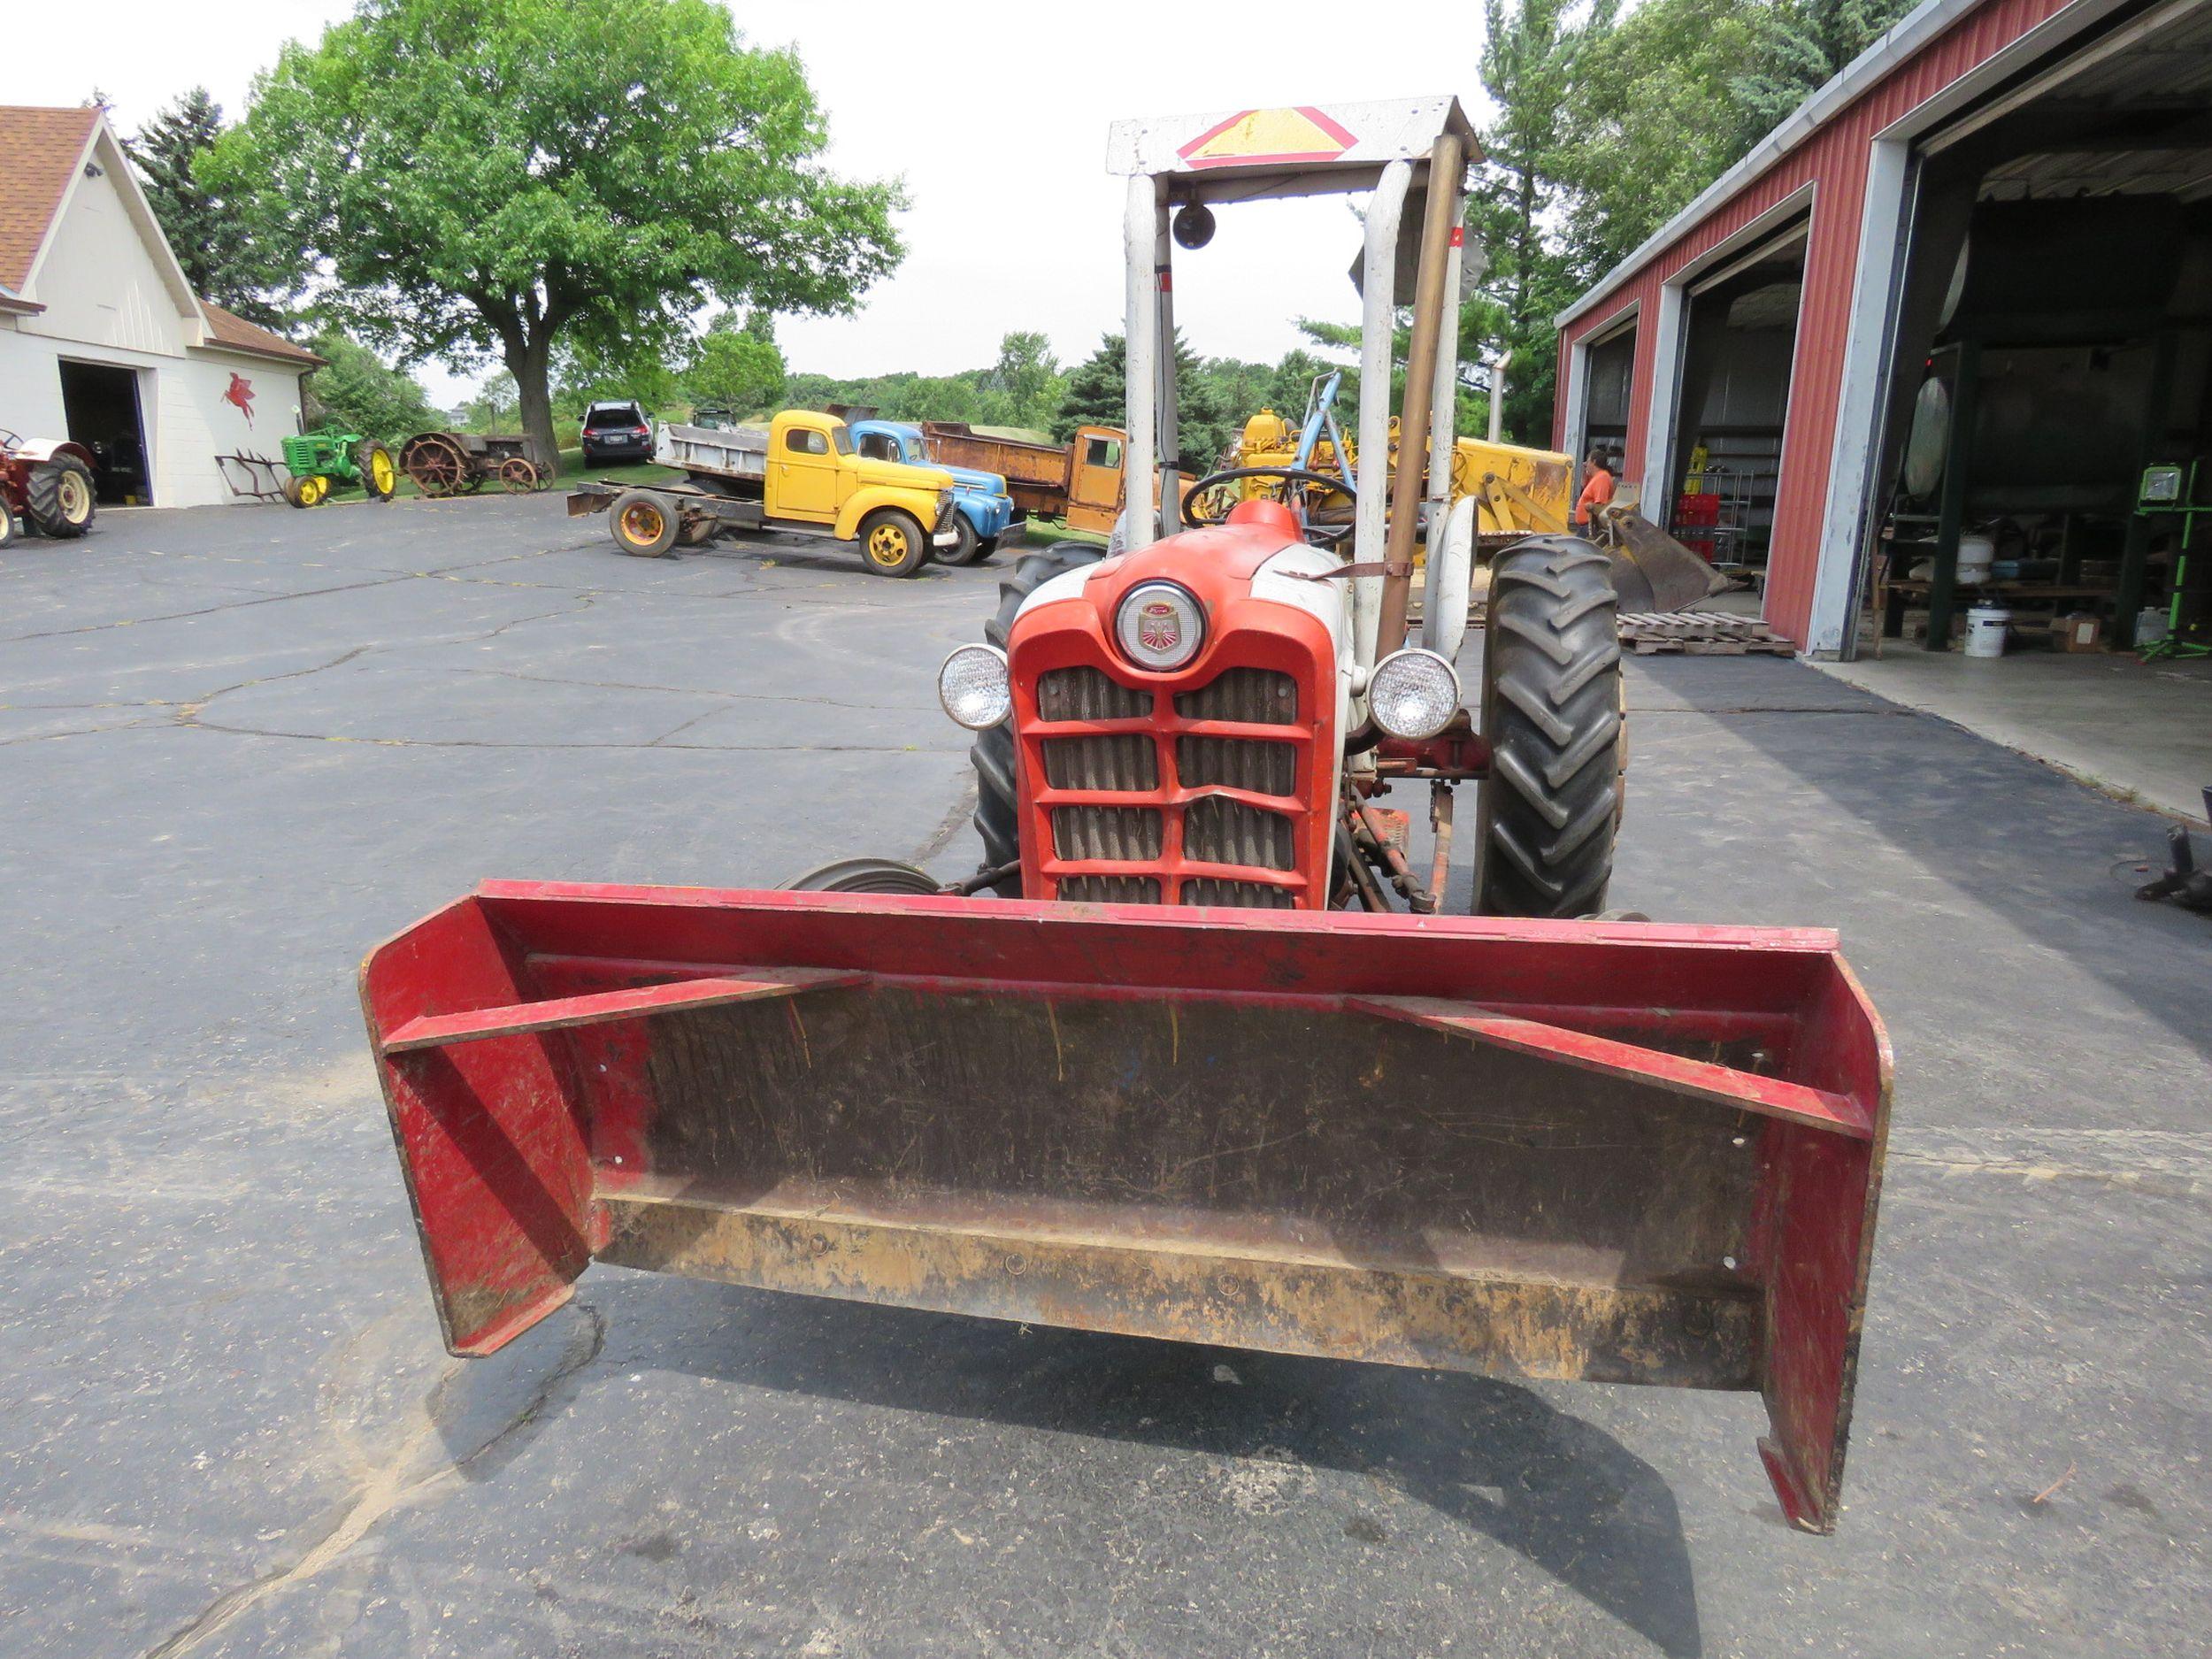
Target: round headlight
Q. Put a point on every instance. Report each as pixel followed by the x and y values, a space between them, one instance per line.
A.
pixel 1160 627
pixel 1413 693
pixel 975 688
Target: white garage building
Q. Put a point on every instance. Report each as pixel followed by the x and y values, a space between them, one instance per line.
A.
pixel 101 339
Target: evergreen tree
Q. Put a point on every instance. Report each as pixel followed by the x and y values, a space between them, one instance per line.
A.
pixel 211 241
pixel 1097 396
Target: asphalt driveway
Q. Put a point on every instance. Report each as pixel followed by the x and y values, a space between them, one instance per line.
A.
pixel 237 747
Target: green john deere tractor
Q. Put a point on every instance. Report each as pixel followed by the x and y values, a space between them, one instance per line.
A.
pixel 321 460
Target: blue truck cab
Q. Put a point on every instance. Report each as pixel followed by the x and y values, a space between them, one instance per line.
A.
pixel 982 509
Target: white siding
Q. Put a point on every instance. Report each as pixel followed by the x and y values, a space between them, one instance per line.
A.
pixel 30 388
pixel 98 280
pixel 196 425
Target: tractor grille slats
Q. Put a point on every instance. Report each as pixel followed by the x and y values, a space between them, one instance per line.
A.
pixel 1111 890
pixel 1251 696
pixel 1085 694
pixel 1124 835
pixel 1127 763
pixel 1217 830
pixel 1236 762
pixel 1249 895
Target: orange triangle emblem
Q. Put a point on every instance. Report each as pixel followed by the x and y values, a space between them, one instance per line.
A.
pixel 1254 136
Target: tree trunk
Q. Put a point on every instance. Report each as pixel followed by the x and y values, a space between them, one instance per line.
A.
pixel 531 367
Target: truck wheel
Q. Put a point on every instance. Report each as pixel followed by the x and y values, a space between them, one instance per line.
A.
pixel 969 549
pixel 644 523
pixel 57 499
pixel 997 816
pixel 379 474
pixel 892 543
pixel 1551 709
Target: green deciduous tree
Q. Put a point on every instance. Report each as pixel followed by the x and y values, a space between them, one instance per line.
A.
pixel 505 178
pixel 737 365
pixel 212 240
pixel 359 392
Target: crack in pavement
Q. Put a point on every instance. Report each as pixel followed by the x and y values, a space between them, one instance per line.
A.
pixel 683 691
pixel 385 1488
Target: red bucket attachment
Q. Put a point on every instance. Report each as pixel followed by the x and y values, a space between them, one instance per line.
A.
pixel 1618 1152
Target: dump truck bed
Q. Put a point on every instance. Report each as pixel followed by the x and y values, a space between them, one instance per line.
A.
pixel 739 452
pixel 1618 1153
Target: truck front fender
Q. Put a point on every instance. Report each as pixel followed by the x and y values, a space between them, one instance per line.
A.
pixel 920 505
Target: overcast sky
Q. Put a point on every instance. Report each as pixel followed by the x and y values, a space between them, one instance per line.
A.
pixel 994 113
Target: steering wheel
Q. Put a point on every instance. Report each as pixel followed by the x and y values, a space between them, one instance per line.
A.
pixel 1299 475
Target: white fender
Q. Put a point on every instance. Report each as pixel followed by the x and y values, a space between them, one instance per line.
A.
pixel 1451 568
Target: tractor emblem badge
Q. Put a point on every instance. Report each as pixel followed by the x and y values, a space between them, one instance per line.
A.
pixel 1158 628
pixel 239 394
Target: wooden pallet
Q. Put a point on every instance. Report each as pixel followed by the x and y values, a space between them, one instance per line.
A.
pixel 1701 634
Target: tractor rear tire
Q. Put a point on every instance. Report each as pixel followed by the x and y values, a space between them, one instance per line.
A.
pixel 57 499
pixel 1551 709
pixel 997 810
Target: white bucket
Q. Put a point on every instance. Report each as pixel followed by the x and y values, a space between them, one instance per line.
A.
pixel 1985 626
pixel 1976 553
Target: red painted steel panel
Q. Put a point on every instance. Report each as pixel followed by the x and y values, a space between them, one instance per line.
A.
pixel 605 1065
pixel 1834 161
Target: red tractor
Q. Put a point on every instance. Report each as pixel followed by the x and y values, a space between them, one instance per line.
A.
pixel 45 485
pixel 1166 1085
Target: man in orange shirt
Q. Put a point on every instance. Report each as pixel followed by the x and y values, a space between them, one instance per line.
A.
pixel 1597 490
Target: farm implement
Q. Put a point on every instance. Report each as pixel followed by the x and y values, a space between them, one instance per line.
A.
pixel 1213 1065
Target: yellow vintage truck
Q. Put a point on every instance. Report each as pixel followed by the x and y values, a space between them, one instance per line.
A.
pixel 800 474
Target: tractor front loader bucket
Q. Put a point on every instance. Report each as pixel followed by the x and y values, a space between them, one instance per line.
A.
pixel 1618 1152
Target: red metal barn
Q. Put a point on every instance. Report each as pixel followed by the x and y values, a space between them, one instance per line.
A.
pixel 2006 194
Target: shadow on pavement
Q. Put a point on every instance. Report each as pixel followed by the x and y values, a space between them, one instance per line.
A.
pixel 1488 1454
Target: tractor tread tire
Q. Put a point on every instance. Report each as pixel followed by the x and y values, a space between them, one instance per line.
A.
pixel 1552 714
pixel 997 803
pixel 42 498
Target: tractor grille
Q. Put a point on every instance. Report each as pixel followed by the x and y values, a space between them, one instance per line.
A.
pixel 1156 773
pixel 1112 890
pixel 1219 831
pixel 1250 696
pixel 1128 764
pixel 1247 896
pixel 1235 762
pixel 1084 694
pixel 1121 835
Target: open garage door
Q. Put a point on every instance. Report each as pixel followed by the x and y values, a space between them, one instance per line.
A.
pixel 2045 454
pixel 100 403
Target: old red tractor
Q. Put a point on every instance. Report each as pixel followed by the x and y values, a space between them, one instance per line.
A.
pixel 1215 1068
pixel 45 485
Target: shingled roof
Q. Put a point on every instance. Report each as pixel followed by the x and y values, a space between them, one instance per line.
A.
pixel 39 152
pixel 233 333
pixel 40 149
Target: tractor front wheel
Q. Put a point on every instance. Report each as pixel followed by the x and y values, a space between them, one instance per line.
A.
pixel 892 543
pixel 379 474
pixel 7 523
pixel 57 499
pixel 306 492
pixel 1551 709
pixel 997 807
